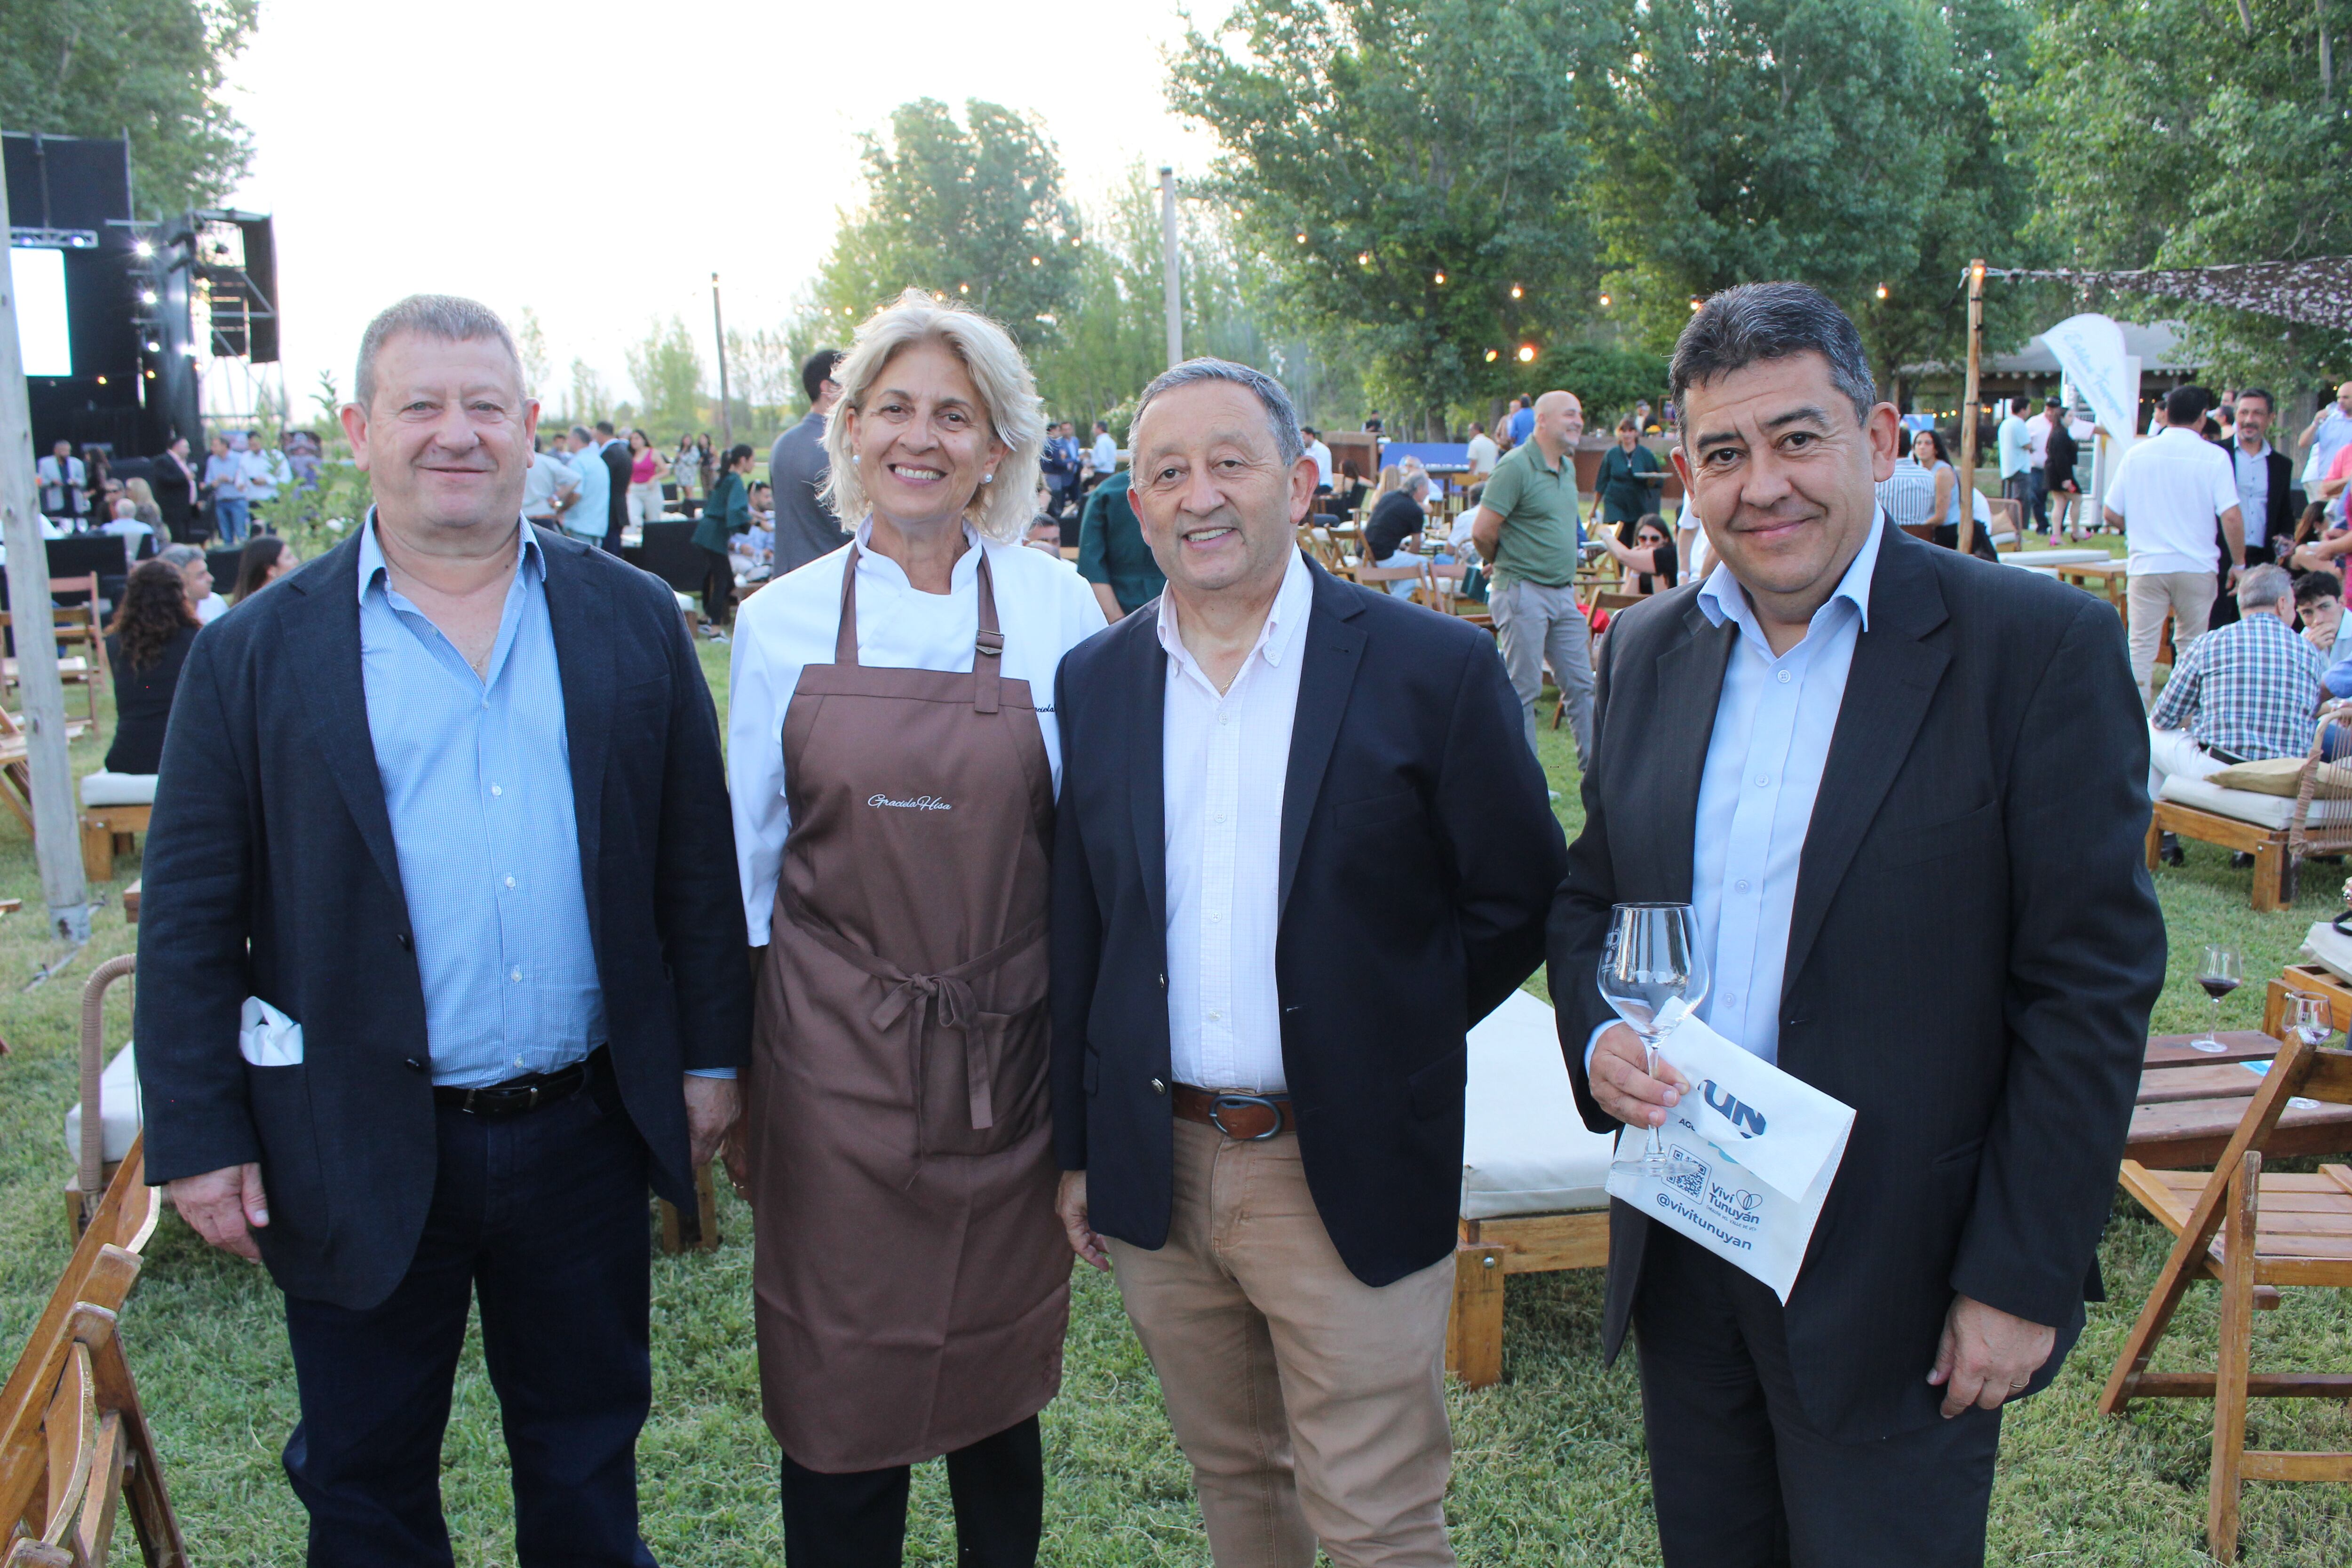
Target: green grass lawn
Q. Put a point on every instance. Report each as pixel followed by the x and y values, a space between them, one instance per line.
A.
pixel 1550 1465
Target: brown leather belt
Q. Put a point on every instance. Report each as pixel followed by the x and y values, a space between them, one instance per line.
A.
pixel 1239 1115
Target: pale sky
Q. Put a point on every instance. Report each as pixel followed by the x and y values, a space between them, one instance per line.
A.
pixel 597 162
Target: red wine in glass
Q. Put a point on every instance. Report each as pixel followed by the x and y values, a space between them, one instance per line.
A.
pixel 2220 973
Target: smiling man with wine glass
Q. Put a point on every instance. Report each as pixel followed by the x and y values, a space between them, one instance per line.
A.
pixel 1839 749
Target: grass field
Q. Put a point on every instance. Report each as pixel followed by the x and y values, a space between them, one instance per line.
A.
pixel 1550 1465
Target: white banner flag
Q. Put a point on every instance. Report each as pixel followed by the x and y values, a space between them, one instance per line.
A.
pixel 2090 350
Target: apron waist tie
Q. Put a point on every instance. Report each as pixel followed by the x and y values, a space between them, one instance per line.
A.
pixel 946 997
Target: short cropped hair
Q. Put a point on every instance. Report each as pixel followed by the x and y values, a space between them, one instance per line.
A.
pixel 2186 405
pixel 603 428
pixel 2269 404
pixel 1758 321
pixel 818 369
pixel 448 316
pixel 2314 586
pixel 2263 586
pixel 1279 413
pixel 1008 396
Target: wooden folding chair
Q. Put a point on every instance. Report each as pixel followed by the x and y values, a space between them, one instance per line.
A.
pixel 1372 576
pixel 1443 590
pixel 77 626
pixel 93 1179
pixel 74 1443
pixel 2255 1234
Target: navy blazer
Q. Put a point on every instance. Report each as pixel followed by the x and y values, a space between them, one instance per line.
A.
pixel 1419 856
pixel 270 870
pixel 1973 951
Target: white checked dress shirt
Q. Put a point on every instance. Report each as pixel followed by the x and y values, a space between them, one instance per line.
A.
pixel 1227 760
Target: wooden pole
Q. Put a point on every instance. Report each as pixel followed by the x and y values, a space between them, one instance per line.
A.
pixel 726 412
pixel 57 841
pixel 1967 475
pixel 1170 283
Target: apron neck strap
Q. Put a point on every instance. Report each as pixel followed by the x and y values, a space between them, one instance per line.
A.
pixel 988 651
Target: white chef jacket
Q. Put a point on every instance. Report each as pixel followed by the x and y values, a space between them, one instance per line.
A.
pixel 1044 607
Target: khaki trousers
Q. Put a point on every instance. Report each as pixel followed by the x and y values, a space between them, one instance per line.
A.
pixel 2147 595
pixel 1311 1406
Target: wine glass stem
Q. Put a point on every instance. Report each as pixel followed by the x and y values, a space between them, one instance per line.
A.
pixel 2214 1034
pixel 1654 1147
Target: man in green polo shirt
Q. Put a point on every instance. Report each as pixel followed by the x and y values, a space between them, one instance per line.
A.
pixel 1529 533
pixel 1111 552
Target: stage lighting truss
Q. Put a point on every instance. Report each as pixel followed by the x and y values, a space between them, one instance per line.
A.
pixel 225 296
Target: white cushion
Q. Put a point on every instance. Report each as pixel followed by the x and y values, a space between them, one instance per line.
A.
pixel 2029 559
pixel 2272 811
pixel 2330 949
pixel 102 788
pixel 118 1103
pixel 1525 1150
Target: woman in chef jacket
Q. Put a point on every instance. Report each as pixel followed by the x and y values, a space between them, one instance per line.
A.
pixel 894 761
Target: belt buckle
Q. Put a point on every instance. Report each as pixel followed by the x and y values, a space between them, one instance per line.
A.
pixel 1217 1107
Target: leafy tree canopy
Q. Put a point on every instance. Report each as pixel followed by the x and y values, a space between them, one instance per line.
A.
pixel 154 67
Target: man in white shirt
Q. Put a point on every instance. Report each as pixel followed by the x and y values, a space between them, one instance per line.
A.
pixel 2328 433
pixel 549 486
pixel 1105 452
pixel 1322 455
pixel 265 470
pixel 2168 496
pixel 1231 963
pixel 2013 440
pixel 1484 453
pixel 63 482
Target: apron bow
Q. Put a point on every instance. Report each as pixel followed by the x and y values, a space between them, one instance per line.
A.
pixel 951 998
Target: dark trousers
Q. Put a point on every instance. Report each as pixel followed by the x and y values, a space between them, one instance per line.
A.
pixel 859 1520
pixel 1740 1478
pixel 718 587
pixel 542 1217
pixel 2037 494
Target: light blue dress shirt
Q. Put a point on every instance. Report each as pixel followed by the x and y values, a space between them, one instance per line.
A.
pixel 587 516
pixel 1773 723
pixel 477 781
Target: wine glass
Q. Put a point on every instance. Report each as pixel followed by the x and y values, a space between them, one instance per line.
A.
pixel 1653 972
pixel 2309 1016
pixel 2220 973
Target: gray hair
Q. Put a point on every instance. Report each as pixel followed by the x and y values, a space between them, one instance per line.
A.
pixel 581 433
pixel 1279 413
pixel 1417 483
pixel 1000 510
pixel 1758 321
pixel 2263 586
pixel 180 556
pixel 446 317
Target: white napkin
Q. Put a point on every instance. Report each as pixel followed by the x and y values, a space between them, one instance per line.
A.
pixel 267 1037
pixel 1751 1152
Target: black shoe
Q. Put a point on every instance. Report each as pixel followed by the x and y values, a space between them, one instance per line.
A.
pixel 2240 860
pixel 2168 849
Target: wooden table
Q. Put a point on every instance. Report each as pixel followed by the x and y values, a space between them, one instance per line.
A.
pixel 2105 577
pixel 2312 980
pixel 2190 1101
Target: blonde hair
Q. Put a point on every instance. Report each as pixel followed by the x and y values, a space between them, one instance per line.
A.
pixel 1392 479
pixel 1008 396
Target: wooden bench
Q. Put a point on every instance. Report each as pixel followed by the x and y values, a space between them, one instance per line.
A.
pixel 108 831
pixel 2191 1102
pixel 2275 868
pixel 1488 1252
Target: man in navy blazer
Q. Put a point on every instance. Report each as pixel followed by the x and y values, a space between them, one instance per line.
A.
pixel 1301 848
pixel 442 964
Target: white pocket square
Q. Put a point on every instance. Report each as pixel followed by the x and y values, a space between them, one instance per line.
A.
pixel 267 1037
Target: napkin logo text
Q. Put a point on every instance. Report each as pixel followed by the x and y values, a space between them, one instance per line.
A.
pixel 1746 1120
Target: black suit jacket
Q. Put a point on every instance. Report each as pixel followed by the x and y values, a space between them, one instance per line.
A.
pixel 1419 854
pixel 1972 954
pixel 617 463
pixel 271 871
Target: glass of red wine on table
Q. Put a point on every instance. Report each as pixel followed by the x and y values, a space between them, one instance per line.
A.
pixel 2220 972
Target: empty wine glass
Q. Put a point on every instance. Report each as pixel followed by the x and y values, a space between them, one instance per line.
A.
pixel 1653 974
pixel 2309 1016
pixel 2220 973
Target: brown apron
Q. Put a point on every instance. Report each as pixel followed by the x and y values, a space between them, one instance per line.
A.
pixel 912 1282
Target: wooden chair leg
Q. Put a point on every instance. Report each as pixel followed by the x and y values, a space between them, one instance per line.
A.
pixel 675 1238
pixel 2232 1368
pixel 2269 875
pixel 97 850
pixel 1474 1334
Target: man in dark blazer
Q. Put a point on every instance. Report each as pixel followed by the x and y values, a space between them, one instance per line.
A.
pixel 2266 495
pixel 1841 749
pixel 616 453
pixel 442 964
pixel 1301 849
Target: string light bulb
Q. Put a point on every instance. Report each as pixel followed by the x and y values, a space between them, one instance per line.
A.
pixel 1882 290
pixel 1438 279
pixel 1526 353
pixel 1492 354
pixel 1363 259
pixel 1517 292
pixel 1302 237
pixel 1037 261
pixel 1694 303
pixel 963 288
pixel 1604 302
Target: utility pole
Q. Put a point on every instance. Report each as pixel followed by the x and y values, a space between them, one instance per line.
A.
pixel 1167 265
pixel 57 840
pixel 726 410
pixel 1967 477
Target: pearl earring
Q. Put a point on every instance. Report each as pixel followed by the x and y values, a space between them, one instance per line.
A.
pixel 988 478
